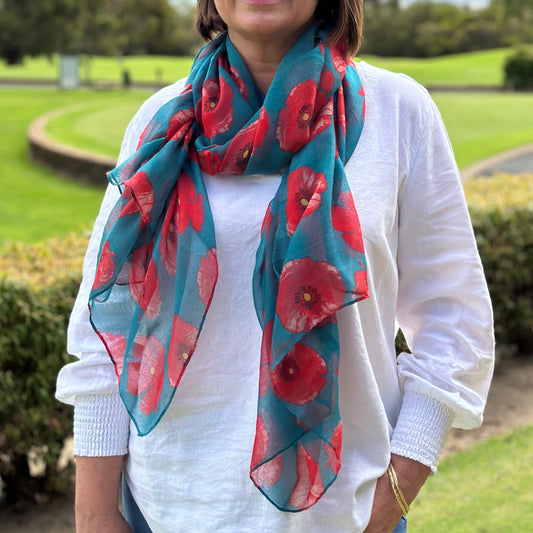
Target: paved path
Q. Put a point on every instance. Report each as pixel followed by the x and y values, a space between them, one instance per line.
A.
pixel 516 161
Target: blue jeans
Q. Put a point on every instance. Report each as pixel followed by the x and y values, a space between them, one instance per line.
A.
pixel 131 511
pixel 138 524
pixel 402 526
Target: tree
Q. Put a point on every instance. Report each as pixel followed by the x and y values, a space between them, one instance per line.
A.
pixel 37 27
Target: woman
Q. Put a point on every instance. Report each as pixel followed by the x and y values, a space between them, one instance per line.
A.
pixel 227 349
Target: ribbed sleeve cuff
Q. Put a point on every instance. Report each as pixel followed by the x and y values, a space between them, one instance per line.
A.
pixel 101 426
pixel 422 428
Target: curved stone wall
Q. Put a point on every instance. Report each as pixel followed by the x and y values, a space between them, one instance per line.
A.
pixel 80 165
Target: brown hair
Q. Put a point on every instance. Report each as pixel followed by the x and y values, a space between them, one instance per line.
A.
pixel 345 17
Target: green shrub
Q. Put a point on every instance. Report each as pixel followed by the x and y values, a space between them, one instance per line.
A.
pixel 519 70
pixel 38 285
pixel 502 215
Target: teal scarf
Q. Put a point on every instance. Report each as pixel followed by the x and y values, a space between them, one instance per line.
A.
pixel 157 266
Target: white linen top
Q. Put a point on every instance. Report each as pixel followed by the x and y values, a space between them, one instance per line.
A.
pixel 191 473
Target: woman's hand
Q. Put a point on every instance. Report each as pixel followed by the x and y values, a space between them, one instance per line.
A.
pixel 386 512
pixel 98 482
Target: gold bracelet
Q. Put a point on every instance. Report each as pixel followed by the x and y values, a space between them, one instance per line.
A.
pixel 400 498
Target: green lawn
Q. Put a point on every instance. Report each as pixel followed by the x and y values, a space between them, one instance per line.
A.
pixel 486 489
pixel 34 203
pixel 483 124
pixel 476 68
pixel 483 68
pixel 479 124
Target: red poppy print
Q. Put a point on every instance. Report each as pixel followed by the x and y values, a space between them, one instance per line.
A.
pixel 299 376
pixel 239 82
pixel 361 282
pixel 308 293
pixel 344 219
pixel 293 130
pixel 116 348
pixel 217 107
pixel 141 194
pixel 150 297
pixel 180 125
pixel 333 451
pixel 190 204
pixel 240 149
pixel 207 276
pixel 269 472
pixel 304 195
pixel 309 487
pixel 146 372
pixel 168 246
pixel 182 346
pixel 140 260
pixel 106 267
pixel 266 357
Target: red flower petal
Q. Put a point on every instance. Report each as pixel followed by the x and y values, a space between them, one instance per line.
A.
pixel 217 107
pixel 168 246
pixel 145 371
pixel 361 283
pixel 180 124
pixel 141 194
pixel 308 293
pixel 116 347
pixel 182 346
pixel 296 117
pixel 138 268
pixel 268 473
pixel 299 377
pixel 106 267
pixel 239 82
pixel 309 487
pixel 240 149
pixel 150 298
pixel 304 195
pixel 266 357
pixel 333 451
pixel 190 204
pixel 207 276
pixel 345 220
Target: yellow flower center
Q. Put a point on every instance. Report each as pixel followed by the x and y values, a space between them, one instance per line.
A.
pixel 305 117
pixel 291 371
pixel 185 355
pixel 245 154
pixel 171 227
pixel 212 105
pixel 152 371
pixel 307 297
pixel 304 202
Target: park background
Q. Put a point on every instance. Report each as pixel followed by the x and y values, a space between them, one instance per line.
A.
pixel 475 57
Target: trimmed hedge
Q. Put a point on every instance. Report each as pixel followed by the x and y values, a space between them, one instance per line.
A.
pixel 39 283
pixel 502 215
pixel 518 70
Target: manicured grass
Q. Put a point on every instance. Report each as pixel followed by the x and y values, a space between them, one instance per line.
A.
pixel 472 69
pixel 97 127
pixel 154 70
pixel 483 68
pixel 479 124
pixel 35 203
pixel 483 124
pixel 485 489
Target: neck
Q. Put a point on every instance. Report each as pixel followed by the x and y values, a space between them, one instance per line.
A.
pixel 262 58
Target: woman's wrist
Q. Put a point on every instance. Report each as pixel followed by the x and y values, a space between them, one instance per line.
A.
pixel 411 476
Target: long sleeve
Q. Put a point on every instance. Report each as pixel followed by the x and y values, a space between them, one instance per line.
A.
pixel 443 303
pixel 101 422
